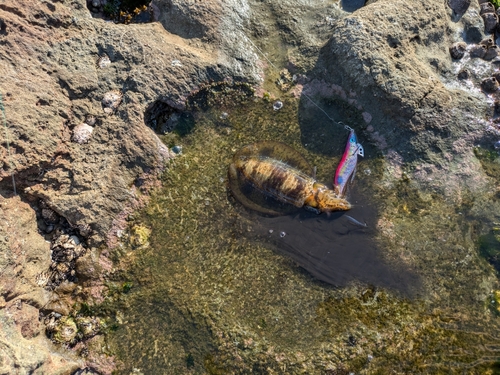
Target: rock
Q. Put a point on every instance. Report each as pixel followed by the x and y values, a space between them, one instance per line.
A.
pixel 490 22
pixel 93 185
pixel 459 6
pixel 25 349
pixel 457 50
pixel 477 50
pixel 489 85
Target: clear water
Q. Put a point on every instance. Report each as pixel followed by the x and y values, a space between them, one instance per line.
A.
pixel 219 289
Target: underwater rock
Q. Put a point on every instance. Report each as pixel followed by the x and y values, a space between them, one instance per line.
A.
pixel 490 22
pixel 457 50
pixel 459 6
pixel 111 101
pixel 82 133
pixel 489 85
pixel 477 50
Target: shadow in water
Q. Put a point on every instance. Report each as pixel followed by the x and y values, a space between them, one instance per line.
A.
pixel 338 249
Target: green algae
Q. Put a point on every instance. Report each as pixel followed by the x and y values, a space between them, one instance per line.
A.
pixel 210 296
pixel 490 161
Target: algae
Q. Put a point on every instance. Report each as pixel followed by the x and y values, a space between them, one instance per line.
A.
pixel 490 161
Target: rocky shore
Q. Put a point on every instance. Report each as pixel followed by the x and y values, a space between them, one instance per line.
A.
pixel 81 93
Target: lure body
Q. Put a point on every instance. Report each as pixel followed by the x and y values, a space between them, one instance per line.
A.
pixel 282 181
pixel 346 169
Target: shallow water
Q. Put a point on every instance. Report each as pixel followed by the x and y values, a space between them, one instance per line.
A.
pixel 220 289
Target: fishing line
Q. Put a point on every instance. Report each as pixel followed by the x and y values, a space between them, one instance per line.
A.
pixel 2 108
pixel 303 93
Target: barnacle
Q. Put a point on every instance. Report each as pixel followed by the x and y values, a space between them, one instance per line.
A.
pixel 111 101
pixel 103 62
pixel 82 133
pixel 64 330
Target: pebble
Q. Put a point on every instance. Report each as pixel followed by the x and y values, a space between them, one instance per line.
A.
pixel 277 105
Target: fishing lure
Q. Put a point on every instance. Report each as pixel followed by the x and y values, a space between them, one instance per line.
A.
pixel 346 169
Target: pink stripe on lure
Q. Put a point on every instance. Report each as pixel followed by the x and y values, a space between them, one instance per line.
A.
pixel 346 169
